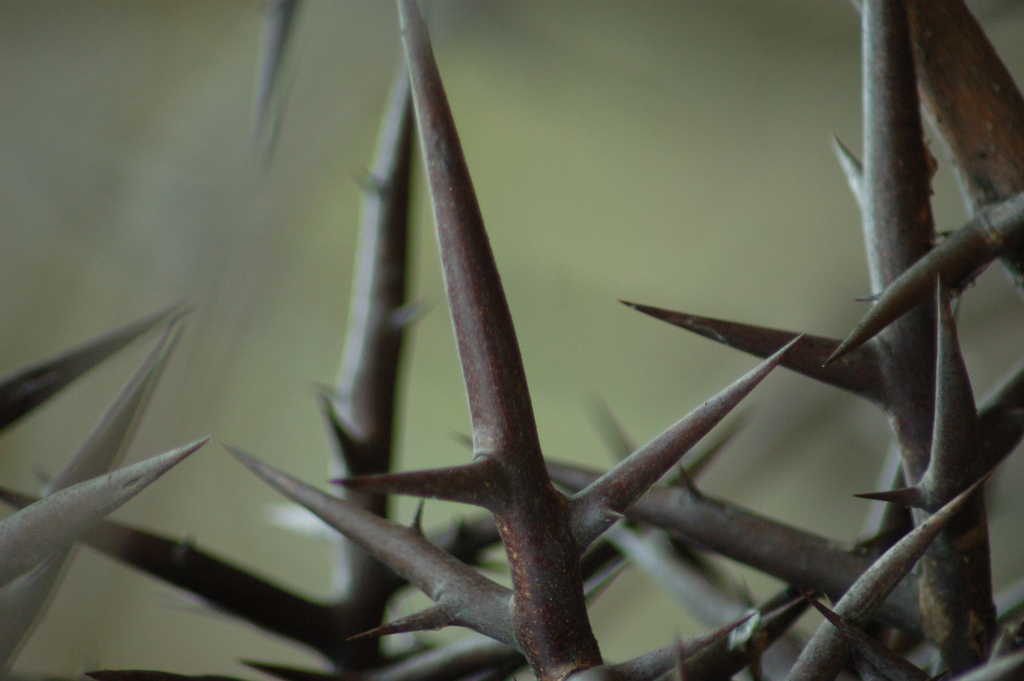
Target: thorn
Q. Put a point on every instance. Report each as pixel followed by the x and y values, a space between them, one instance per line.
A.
pixel 611 516
pixel 370 183
pixel 860 374
pixel 853 170
pixel 474 600
pixel 953 460
pixel 295 673
pixel 596 584
pixel 23 390
pixel 873 586
pixel 111 437
pixel 680 666
pixel 686 482
pixel 694 586
pixel 499 397
pixel 615 435
pixel 694 468
pixel 956 260
pixel 905 496
pixel 52 524
pixel 655 664
pixel 417 519
pixel 410 313
pixel 625 483
pixel 892 666
pixel 277 32
pixel 479 483
pixel 348 446
pixel 434 617
pixel 463 439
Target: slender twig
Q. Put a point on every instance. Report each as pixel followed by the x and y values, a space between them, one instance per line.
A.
pixel 362 408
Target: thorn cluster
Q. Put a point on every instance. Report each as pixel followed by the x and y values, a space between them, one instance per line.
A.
pixel 913 599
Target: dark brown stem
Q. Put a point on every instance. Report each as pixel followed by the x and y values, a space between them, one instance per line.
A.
pixel 549 612
pixel 824 655
pixel 361 411
pixel 898 227
pixel 974 102
pixel 799 558
pixel 956 587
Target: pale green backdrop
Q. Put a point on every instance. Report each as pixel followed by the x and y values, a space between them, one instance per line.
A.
pixel 672 153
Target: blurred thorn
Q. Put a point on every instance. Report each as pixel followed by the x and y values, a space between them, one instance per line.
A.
pixel 852 169
pixel 277 32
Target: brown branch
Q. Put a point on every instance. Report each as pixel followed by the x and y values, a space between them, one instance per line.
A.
pixel 802 559
pixel 549 613
pixel 956 580
pixel 974 102
pixel 897 220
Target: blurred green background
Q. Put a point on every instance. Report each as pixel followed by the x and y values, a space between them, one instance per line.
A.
pixel 671 153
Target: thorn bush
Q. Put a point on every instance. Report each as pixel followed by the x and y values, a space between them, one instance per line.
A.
pixel 913 598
